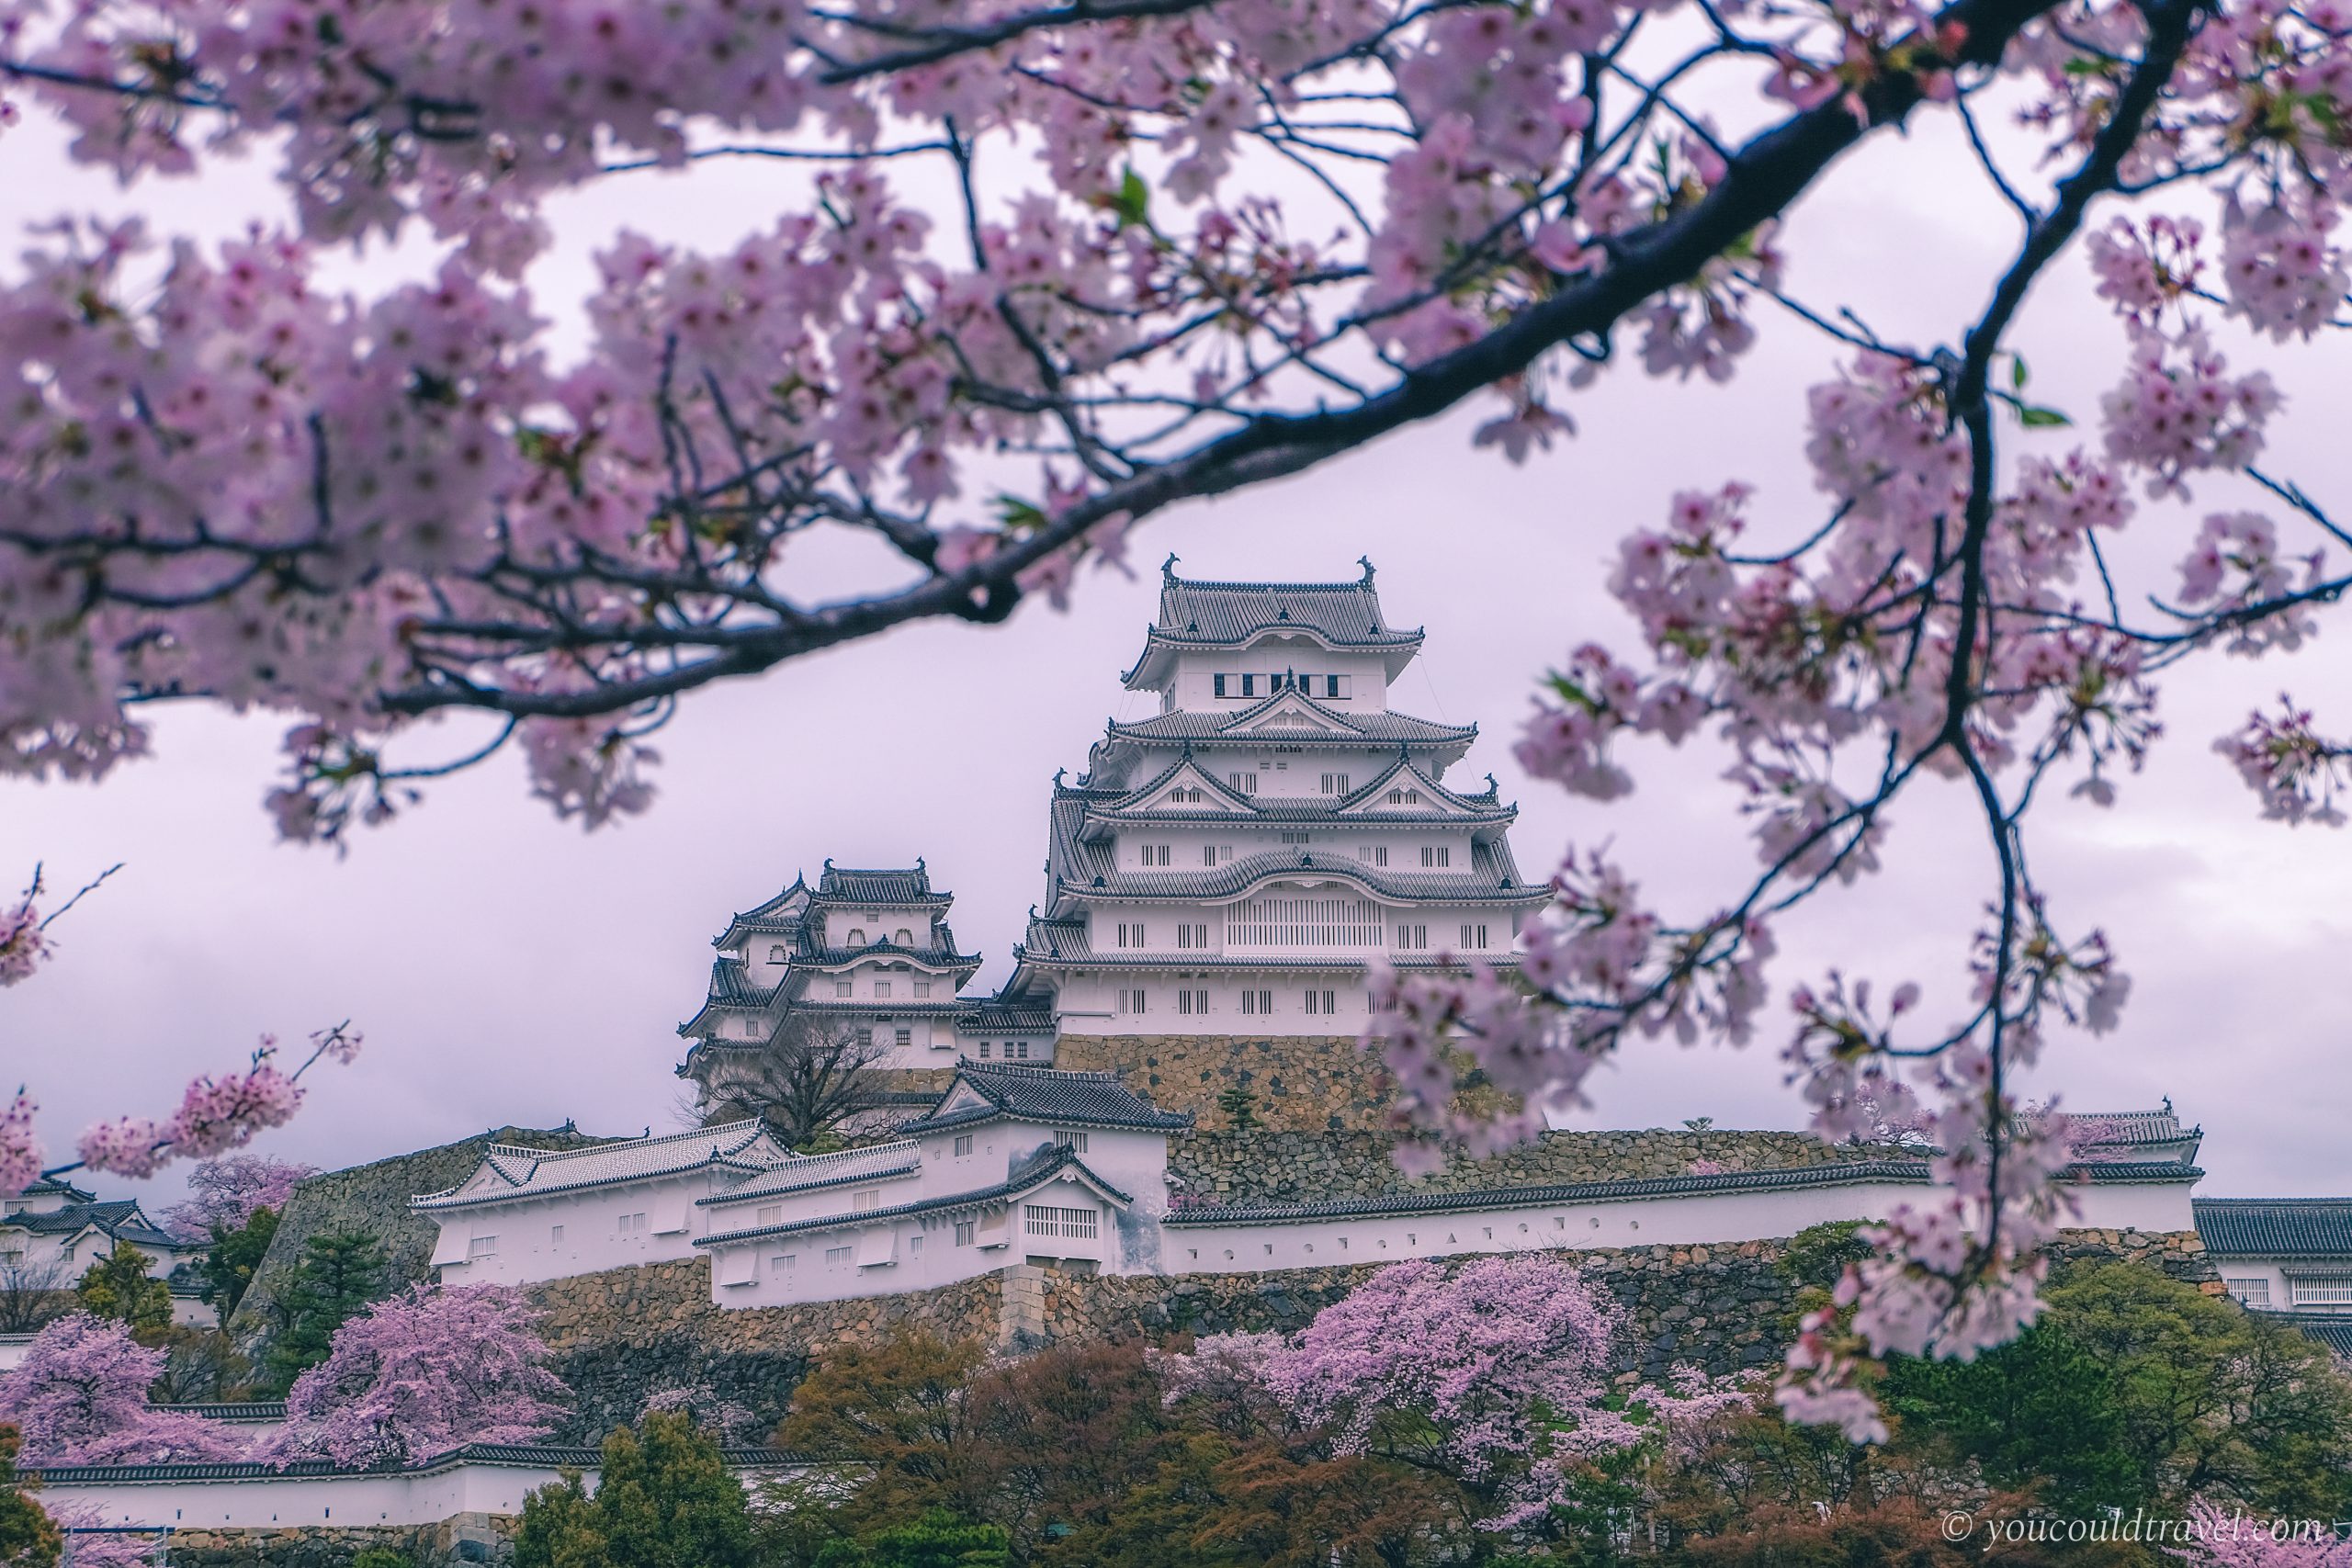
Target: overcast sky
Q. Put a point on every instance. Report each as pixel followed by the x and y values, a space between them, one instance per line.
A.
pixel 506 968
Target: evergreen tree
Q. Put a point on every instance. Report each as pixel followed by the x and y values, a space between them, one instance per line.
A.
pixel 2040 1409
pixel 938 1540
pixel 1240 1107
pixel 119 1287
pixel 665 1500
pixel 339 1272
pixel 236 1253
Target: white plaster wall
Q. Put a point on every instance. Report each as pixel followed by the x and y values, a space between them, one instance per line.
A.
pixel 938 1261
pixel 1681 1221
pixel 258 1502
pixel 12 1350
pixel 1194 690
pixel 2131 1206
pixel 2265 1270
pixel 881 922
pixel 591 1240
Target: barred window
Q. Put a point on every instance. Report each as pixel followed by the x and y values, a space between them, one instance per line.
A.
pixel 1303 923
pixel 1045 1219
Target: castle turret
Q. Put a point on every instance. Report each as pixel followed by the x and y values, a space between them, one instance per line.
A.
pixel 1235 863
pixel 869 950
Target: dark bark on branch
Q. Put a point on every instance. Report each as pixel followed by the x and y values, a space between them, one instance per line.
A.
pixel 1762 180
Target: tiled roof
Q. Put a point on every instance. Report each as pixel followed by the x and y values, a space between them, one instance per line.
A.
pixel 2132 1133
pixel 41 1187
pixel 526 1455
pixel 1137 806
pixel 1907 1171
pixel 531 1173
pixel 1048 1094
pixel 808 1172
pixel 1204 613
pixel 938 957
pixel 117 1218
pixel 1065 942
pixel 1083 866
pixel 2282 1227
pixel 1352 729
pixel 730 986
pixel 1007 1018
pixel 911 885
pixel 233 1410
pixel 1047 1169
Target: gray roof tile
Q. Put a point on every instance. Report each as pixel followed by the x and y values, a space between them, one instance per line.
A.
pixel 2283 1228
pixel 1048 1094
pixel 907 886
pixel 530 1173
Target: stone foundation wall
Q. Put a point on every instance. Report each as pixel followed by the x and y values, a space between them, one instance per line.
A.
pixel 1728 1309
pixel 465 1539
pixel 625 1334
pixel 1297 1083
pixel 1213 1165
pixel 621 1336
pixel 374 1199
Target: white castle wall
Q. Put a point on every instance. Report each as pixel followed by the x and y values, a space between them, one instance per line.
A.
pixel 251 1497
pixel 1696 1219
pixel 593 1238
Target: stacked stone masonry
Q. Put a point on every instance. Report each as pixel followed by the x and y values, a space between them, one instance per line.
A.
pixel 465 1539
pixel 622 1335
pixel 1212 1165
pixel 373 1199
pixel 1299 1083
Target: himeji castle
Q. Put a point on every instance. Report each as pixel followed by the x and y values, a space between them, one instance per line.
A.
pixel 1221 881
pixel 1234 863
pixel 1237 860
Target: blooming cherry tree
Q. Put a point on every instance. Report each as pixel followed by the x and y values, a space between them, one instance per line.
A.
pixel 425 1371
pixel 1500 1371
pixel 80 1397
pixel 1186 247
pixel 224 1192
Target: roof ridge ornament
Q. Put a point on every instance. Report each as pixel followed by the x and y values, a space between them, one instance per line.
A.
pixel 1365 561
pixel 1167 568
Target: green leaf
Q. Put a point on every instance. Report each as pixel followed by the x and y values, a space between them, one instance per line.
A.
pixel 2016 372
pixel 2041 418
pixel 1132 201
pixel 1568 690
pixel 1017 515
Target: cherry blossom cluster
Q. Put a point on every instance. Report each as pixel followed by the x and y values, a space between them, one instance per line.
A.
pixel 2296 772
pixel 224 1192
pixel 25 943
pixel 233 485
pixel 419 1374
pixel 218 1113
pixel 1508 1361
pixel 80 1397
